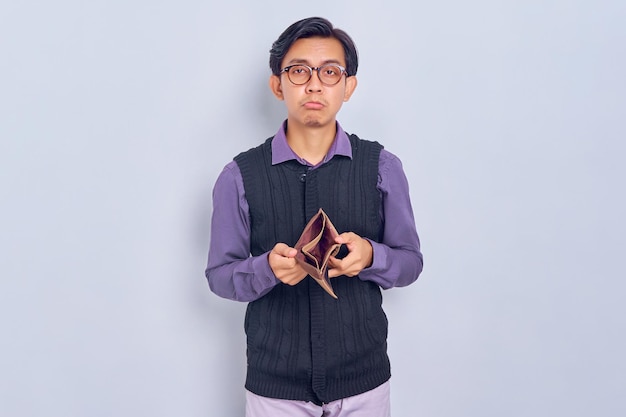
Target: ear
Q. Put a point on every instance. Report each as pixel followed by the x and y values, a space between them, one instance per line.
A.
pixel 276 87
pixel 351 83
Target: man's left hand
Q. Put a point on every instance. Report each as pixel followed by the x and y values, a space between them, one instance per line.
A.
pixel 359 257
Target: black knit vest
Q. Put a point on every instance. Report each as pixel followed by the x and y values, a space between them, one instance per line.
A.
pixel 301 343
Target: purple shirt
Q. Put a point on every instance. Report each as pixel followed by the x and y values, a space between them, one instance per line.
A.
pixel 234 274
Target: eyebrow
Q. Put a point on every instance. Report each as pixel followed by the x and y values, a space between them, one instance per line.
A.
pixel 307 62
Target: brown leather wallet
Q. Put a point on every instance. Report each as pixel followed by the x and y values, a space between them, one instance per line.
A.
pixel 315 246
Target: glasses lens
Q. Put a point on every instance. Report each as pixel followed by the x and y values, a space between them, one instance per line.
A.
pixel 299 74
pixel 330 74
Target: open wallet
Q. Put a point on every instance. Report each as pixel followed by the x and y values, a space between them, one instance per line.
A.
pixel 315 246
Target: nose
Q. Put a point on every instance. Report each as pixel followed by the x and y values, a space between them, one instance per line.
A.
pixel 314 85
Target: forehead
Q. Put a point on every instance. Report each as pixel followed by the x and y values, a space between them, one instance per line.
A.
pixel 315 51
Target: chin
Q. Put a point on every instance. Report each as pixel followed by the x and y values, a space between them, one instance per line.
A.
pixel 312 123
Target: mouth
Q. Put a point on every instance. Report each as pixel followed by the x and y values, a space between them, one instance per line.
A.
pixel 313 105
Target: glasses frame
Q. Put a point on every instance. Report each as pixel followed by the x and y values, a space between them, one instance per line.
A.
pixel 311 69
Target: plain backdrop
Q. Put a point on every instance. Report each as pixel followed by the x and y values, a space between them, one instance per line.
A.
pixel 117 116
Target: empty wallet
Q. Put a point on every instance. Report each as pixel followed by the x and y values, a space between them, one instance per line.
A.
pixel 315 246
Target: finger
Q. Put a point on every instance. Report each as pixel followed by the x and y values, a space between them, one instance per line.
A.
pixel 341 267
pixel 283 250
pixel 345 238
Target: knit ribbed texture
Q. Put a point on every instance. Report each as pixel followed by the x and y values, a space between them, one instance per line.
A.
pixel 302 344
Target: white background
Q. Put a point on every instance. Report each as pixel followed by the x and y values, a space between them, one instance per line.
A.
pixel 117 116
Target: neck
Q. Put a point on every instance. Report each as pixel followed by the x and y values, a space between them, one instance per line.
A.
pixel 311 144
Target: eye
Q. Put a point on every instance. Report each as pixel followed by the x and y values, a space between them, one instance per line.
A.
pixel 331 71
pixel 298 70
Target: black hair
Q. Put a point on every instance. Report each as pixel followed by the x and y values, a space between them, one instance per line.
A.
pixel 309 28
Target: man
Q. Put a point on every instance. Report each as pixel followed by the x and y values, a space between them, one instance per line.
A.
pixel 310 354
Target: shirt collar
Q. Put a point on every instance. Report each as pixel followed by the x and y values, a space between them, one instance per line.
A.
pixel 281 152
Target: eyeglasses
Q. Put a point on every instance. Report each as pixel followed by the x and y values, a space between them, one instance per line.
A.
pixel 329 74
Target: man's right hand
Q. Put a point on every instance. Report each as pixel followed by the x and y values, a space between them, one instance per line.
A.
pixel 282 260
